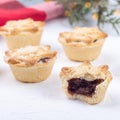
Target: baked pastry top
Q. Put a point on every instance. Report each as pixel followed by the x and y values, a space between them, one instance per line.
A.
pixel 13 27
pixel 86 71
pixel 30 55
pixel 82 36
pixel 85 79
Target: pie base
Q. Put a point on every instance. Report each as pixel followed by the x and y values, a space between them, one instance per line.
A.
pixel 36 73
pixel 80 53
pixel 95 99
pixel 21 40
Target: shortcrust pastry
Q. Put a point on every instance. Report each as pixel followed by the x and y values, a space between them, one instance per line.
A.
pixel 20 33
pixel 82 43
pixel 31 63
pixel 86 82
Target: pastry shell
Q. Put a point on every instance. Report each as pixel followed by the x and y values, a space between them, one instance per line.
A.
pixel 20 33
pixel 26 67
pixel 36 73
pixel 88 72
pixel 82 43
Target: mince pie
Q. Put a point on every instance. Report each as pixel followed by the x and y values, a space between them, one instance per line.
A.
pixel 85 82
pixel 82 43
pixel 20 33
pixel 31 63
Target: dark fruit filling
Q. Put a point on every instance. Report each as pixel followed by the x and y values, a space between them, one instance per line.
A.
pixel 44 60
pixel 95 41
pixel 82 86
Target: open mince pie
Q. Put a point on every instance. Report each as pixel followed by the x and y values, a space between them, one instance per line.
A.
pixel 31 63
pixel 82 43
pixel 20 33
pixel 86 82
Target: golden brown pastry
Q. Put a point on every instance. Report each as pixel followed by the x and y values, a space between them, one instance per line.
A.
pixel 31 63
pixel 82 43
pixel 20 33
pixel 85 82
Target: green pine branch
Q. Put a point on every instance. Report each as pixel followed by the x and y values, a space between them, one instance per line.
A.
pixel 78 9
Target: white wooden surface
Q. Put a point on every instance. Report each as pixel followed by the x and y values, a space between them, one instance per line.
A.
pixel 46 100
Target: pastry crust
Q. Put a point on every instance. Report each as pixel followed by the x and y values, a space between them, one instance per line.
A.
pixel 28 25
pixel 20 33
pixel 82 43
pixel 82 36
pixel 29 55
pixel 31 63
pixel 89 73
